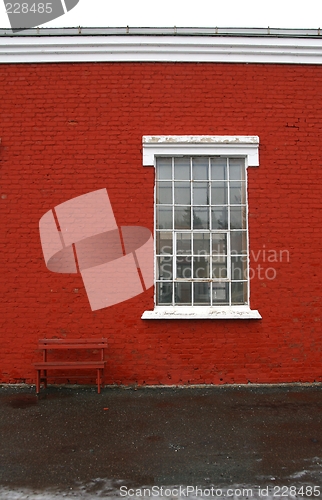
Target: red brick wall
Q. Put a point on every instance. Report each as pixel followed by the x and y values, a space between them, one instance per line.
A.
pixel 68 129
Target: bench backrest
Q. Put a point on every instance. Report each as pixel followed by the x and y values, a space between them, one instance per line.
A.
pixel 50 344
pixel 72 343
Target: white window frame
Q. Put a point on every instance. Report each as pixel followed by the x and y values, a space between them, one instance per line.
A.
pixel 202 145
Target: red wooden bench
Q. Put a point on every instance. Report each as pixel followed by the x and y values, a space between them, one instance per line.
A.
pixel 73 344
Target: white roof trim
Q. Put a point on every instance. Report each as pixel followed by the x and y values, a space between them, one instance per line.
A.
pixel 209 145
pixel 153 48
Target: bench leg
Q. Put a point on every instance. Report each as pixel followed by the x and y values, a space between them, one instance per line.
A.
pixel 45 379
pixel 38 382
pixel 99 380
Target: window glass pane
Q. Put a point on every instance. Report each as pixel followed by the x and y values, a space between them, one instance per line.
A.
pixel 239 293
pixel 182 217
pixel 182 168
pixel 200 193
pixel 164 217
pixel 183 293
pixel 238 217
pixel 164 243
pixel 219 243
pixel 238 240
pixel 182 193
pixel 238 268
pixel 236 169
pixel 237 193
pixel 201 243
pixel 164 168
pixel 219 218
pixel 201 218
pixel 183 243
pixel 183 267
pixel 219 267
pixel 201 267
pixel 165 270
pixel 219 193
pixel 220 293
pixel 164 293
pixel 201 293
pixel 200 168
pixel 164 192
pixel 219 169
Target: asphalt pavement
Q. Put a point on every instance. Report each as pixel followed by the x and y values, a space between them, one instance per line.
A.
pixel 197 442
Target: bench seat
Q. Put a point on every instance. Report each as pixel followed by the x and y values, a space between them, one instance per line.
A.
pixel 61 365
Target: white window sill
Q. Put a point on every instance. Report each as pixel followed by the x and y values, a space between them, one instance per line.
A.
pixel 202 312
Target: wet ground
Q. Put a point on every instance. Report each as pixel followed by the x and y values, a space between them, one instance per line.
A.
pixel 75 442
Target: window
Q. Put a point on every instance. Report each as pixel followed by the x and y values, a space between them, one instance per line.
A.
pixel 201 234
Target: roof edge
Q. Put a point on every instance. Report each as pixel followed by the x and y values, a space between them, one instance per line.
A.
pixel 164 31
pixel 112 45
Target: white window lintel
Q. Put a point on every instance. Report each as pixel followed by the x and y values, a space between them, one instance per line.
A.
pixel 209 145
